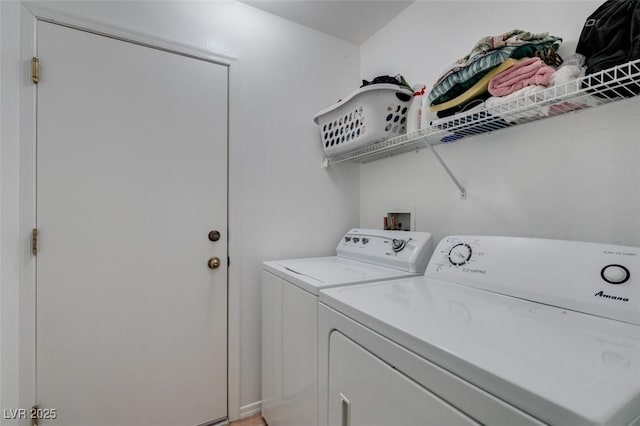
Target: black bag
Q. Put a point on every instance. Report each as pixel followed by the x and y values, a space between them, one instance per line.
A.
pixel 611 35
pixel 387 79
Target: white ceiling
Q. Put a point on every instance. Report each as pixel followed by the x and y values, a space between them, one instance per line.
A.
pixel 351 20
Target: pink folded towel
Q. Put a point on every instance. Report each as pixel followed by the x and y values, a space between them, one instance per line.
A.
pixel 528 72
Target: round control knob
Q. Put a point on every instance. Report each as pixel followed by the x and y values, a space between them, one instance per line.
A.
pixel 398 245
pixel 615 274
pixel 460 254
pixel 347 239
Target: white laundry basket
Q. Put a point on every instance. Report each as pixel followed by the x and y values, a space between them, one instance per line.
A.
pixel 369 115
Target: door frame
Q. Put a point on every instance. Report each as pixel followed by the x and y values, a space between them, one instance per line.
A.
pixel 30 15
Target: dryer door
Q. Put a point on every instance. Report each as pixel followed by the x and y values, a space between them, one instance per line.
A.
pixel 366 391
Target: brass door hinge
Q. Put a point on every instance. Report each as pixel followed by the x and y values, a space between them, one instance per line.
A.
pixel 34 413
pixel 34 241
pixel 35 70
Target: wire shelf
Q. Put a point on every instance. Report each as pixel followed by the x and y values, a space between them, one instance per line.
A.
pixel 620 82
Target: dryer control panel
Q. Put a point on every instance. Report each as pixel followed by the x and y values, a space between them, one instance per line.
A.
pixel 403 250
pixel 598 279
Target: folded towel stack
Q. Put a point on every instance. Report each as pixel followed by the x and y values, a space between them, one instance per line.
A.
pixel 528 72
pixel 488 53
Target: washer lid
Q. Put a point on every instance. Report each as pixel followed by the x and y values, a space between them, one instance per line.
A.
pixel 313 274
pixel 561 366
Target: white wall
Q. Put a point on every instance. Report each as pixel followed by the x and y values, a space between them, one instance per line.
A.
pixel 282 202
pixel 569 177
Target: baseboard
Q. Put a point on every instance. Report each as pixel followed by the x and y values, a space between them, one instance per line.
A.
pixel 250 409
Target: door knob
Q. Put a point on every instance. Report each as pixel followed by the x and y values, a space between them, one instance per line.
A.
pixel 214 235
pixel 213 262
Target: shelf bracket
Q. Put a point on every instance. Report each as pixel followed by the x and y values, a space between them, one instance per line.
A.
pixel 463 192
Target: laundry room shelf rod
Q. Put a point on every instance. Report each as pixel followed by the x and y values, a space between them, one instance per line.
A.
pixel 613 84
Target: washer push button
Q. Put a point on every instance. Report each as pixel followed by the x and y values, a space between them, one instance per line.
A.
pixel 615 274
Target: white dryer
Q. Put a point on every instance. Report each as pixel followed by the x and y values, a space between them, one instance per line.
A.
pixel 290 312
pixel 499 331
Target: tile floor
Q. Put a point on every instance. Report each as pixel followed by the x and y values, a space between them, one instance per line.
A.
pixel 256 420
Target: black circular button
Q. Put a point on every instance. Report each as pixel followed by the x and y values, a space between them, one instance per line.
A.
pixel 615 274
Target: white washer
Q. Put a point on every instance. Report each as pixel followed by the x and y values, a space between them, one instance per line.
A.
pixel 499 331
pixel 290 312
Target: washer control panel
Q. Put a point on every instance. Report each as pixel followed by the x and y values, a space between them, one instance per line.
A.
pixel 404 250
pixel 599 279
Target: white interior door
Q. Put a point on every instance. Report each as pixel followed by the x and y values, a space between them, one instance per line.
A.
pixel 131 177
